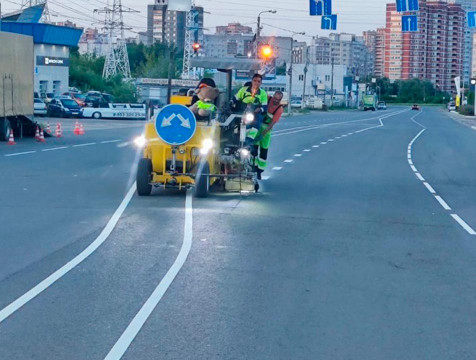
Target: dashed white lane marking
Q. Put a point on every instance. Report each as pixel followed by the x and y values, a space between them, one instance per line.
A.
pixel 430 189
pixel 465 226
pixel 121 346
pixel 421 178
pixel 87 144
pixel 297 155
pixel 58 274
pixel 413 168
pixel 110 141
pixel 315 146
pixel 20 153
pixel 345 135
pixel 277 168
pixel 330 140
pixel 442 202
pixel 264 178
pixel 307 150
pixel 56 148
pixel 288 161
pixel 323 143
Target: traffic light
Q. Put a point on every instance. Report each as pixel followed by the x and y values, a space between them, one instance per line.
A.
pixel 266 52
pixel 196 47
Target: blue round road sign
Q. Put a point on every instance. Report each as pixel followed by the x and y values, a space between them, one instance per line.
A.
pixel 175 124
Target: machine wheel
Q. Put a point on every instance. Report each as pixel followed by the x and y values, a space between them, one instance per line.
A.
pixel 143 177
pixel 202 183
pixel 256 187
pixel 5 128
pixel 97 115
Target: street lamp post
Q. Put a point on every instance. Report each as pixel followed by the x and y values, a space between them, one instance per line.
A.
pixel 258 30
pixel 473 82
pixel 290 72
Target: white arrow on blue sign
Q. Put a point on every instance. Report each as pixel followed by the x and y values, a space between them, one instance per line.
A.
pixel 175 124
pixel 320 7
pixel 407 5
pixel 409 23
pixel 329 22
pixel 471 19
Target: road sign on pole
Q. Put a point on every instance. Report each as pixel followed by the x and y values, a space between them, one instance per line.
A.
pixel 329 22
pixel 407 5
pixel 175 124
pixel 320 7
pixel 409 23
pixel 471 19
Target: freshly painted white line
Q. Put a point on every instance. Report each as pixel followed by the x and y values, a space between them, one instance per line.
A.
pixel 465 226
pixel 277 168
pixel 264 178
pixel 323 143
pixel 20 153
pixel 442 202
pixel 413 168
pixel 345 135
pixel 350 134
pixel 81 145
pixel 330 140
pixel 110 141
pixel 56 148
pixel 338 137
pixel 121 346
pixel 297 155
pixel 421 178
pixel 430 189
pixel 288 161
pixel 315 146
pixel 58 274
pixel 474 127
pixel 307 150
pixel 409 156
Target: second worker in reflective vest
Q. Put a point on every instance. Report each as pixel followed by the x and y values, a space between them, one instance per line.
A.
pixel 263 140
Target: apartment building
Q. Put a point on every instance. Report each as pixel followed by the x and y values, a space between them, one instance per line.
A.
pixel 233 29
pixel 433 53
pixel 468 64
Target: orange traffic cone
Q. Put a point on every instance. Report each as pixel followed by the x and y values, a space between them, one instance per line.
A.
pixel 81 129
pixel 42 137
pixel 48 128
pixel 37 134
pixel 76 129
pixel 59 133
pixel 11 140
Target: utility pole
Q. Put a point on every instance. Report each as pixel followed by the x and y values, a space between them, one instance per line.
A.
pixel 171 72
pixel 305 76
pixel 332 81
pixel 258 31
pixel 117 58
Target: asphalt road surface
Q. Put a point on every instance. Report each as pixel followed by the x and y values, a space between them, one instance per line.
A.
pixel 361 245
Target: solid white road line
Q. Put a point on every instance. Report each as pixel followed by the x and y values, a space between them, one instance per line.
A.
pixel 110 141
pixel 81 145
pixel 277 168
pixel 421 178
pixel 58 274
pixel 121 346
pixel 56 148
pixel 430 189
pixel 20 153
pixel 442 202
pixel 463 224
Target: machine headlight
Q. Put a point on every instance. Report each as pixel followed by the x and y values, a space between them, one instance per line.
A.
pixel 249 118
pixel 140 141
pixel 244 152
pixel 207 145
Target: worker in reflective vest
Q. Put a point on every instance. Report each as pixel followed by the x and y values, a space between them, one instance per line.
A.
pixel 263 140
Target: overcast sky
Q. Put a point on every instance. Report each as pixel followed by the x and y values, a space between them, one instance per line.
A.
pixel 353 16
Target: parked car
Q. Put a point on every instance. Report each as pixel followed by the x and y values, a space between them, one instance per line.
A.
pixel 39 107
pixel 415 107
pixel 296 104
pixel 36 95
pixel 451 106
pixel 63 108
pixel 381 105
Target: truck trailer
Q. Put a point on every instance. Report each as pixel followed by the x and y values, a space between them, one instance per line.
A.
pixel 16 85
